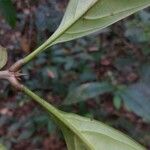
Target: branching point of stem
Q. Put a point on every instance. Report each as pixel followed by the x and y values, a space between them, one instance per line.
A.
pixel 13 74
pixel 16 66
pixel 12 77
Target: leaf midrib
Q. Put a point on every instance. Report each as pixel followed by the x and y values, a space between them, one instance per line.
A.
pixel 103 18
pixel 122 142
pixel 75 131
pixel 111 14
pixel 118 132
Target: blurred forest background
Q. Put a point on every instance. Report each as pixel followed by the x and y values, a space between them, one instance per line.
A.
pixel 105 76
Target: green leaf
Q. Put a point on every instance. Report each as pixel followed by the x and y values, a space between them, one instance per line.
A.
pixel 26 134
pixel 86 134
pixel 97 135
pixel 7 9
pixel 117 101
pixel 87 91
pixel 84 17
pixel 137 98
pixel 3 57
pixel 2 147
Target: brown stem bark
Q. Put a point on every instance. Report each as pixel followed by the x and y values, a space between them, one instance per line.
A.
pixel 12 78
pixel 16 66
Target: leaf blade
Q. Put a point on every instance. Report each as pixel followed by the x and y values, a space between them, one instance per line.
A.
pixel 99 135
pixel 87 91
pixel 137 98
pixel 3 57
pixel 81 20
pixel 77 128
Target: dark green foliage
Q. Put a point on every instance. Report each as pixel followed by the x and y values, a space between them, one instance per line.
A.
pixel 137 99
pixel 137 96
pixel 87 91
pixel 8 11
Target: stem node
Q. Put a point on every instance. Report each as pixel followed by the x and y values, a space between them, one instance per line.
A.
pixel 12 78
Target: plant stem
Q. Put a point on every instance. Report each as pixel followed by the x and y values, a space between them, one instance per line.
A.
pixel 12 78
pixel 49 42
pixel 16 66
pixel 4 74
pixel 42 102
pixel 34 53
pixel 44 46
